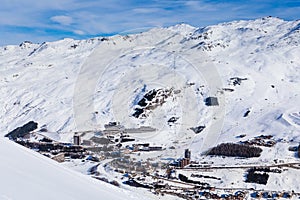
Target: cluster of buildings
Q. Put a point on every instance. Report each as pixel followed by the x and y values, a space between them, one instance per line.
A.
pixel 271 195
pixel 115 135
pixel 262 140
pixel 109 144
pixel 182 162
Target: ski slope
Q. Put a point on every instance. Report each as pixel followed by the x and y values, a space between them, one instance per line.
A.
pixel 28 175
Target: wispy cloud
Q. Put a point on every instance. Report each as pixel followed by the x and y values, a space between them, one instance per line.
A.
pixel 62 19
pixel 55 19
pixel 200 6
pixel 79 32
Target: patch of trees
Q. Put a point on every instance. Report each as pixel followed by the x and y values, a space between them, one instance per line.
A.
pixel 48 147
pixel 138 112
pixel 255 176
pixel 134 183
pixel 203 176
pixel 235 150
pixel 75 155
pixel 185 179
pixel 22 131
pixel 148 97
pixel 267 170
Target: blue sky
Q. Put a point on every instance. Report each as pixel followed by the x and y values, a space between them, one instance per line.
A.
pixel 48 20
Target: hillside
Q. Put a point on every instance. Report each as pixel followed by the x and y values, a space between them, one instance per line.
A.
pixel 235 82
pixel 28 175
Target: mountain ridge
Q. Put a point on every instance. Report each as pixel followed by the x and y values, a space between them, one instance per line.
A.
pixel 236 82
pixel 255 37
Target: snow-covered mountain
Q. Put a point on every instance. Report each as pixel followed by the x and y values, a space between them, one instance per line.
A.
pixel 38 81
pixel 252 67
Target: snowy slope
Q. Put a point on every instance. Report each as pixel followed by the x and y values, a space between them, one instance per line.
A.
pixel 72 85
pixel 29 175
pixel 38 82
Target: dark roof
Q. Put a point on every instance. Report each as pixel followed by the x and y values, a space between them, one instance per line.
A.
pixel 211 101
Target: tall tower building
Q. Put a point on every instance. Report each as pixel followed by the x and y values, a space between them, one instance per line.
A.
pixel 187 156
pixel 76 139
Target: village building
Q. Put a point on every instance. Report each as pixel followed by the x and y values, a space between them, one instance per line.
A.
pixel 76 139
pixel 211 101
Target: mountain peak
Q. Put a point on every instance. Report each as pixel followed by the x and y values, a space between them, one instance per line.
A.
pixel 183 28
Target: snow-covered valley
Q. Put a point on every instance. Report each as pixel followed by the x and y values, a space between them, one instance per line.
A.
pixel 174 88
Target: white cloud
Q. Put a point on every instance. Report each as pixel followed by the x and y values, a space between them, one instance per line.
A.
pixel 199 6
pixel 79 32
pixel 62 19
